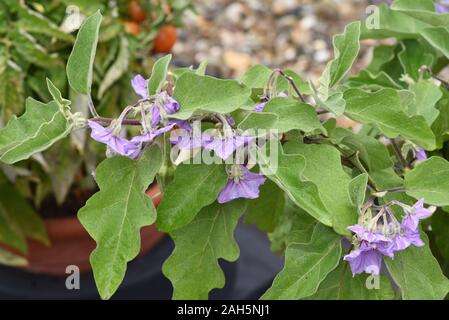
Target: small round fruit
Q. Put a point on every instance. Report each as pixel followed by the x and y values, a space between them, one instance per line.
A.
pixel 165 39
pixel 132 27
pixel 135 11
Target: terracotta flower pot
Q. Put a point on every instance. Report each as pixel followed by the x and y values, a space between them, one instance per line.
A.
pixel 72 245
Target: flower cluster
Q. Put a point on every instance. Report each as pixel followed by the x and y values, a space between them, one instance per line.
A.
pixel 156 121
pixel 383 235
pixel 157 109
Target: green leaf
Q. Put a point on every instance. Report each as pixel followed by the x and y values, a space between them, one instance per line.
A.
pixel 429 180
pixel 33 22
pixel 357 189
pixel 259 120
pixel 81 60
pixel 306 266
pixel 383 109
pixel 193 266
pixel 413 56
pixel 341 285
pixel 63 104
pixel 117 69
pixel 193 187
pixel 266 210
pixel 346 47
pixel 256 77
pixel 115 214
pixel 287 173
pixel 294 115
pixel 158 75
pixel 18 220
pixel 324 169
pixel 437 37
pixel 293 226
pixel 418 274
pixel 36 130
pixel 370 81
pixel 427 95
pixel 197 93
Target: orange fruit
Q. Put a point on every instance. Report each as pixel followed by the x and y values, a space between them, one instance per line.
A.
pixel 165 39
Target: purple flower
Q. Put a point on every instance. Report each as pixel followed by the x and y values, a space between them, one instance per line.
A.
pixel 415 214
pixel 182 124
pixel 367 256
pixel 421 155
pixel 242 183
pixel 150 136
pixel 364 259
pixel 261 106
pixel 117 144
pixel 224 147
pixel 442 6
pixel 405 238
pixel 186 141
pixel 155 116
pixel 140 86
pixel 171 105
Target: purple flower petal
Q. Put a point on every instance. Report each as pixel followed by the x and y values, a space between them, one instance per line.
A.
pixel 260 106
pixel 155 116
pixel 225 147
pixel 247 186
pixel 421 155
pixel 182 124
pixel 419 212
pixel 140 86
pixel 367 235
pixel 117 144
pixel 366 260
pixel 171 105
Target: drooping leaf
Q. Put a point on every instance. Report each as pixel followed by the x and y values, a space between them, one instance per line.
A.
pixel 197 93
pixel 81 60
pixel 193 266
pixel 194 186
pixel 413 56
pixel 158 75
pixel 306 266
pixel 36 130
pixel 114 215
pixel 429 180
pixel 341 285
pixel 383 109
pixel 418 274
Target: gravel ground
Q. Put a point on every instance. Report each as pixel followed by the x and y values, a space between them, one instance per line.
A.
pixel 294 34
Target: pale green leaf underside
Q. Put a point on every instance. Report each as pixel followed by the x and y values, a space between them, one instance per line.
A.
pixel 36 130
pixel 81 60
pixel 114 215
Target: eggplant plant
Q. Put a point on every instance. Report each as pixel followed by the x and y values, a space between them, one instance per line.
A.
pixel 358 214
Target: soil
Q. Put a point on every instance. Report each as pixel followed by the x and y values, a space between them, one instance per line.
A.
pixel 70 207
